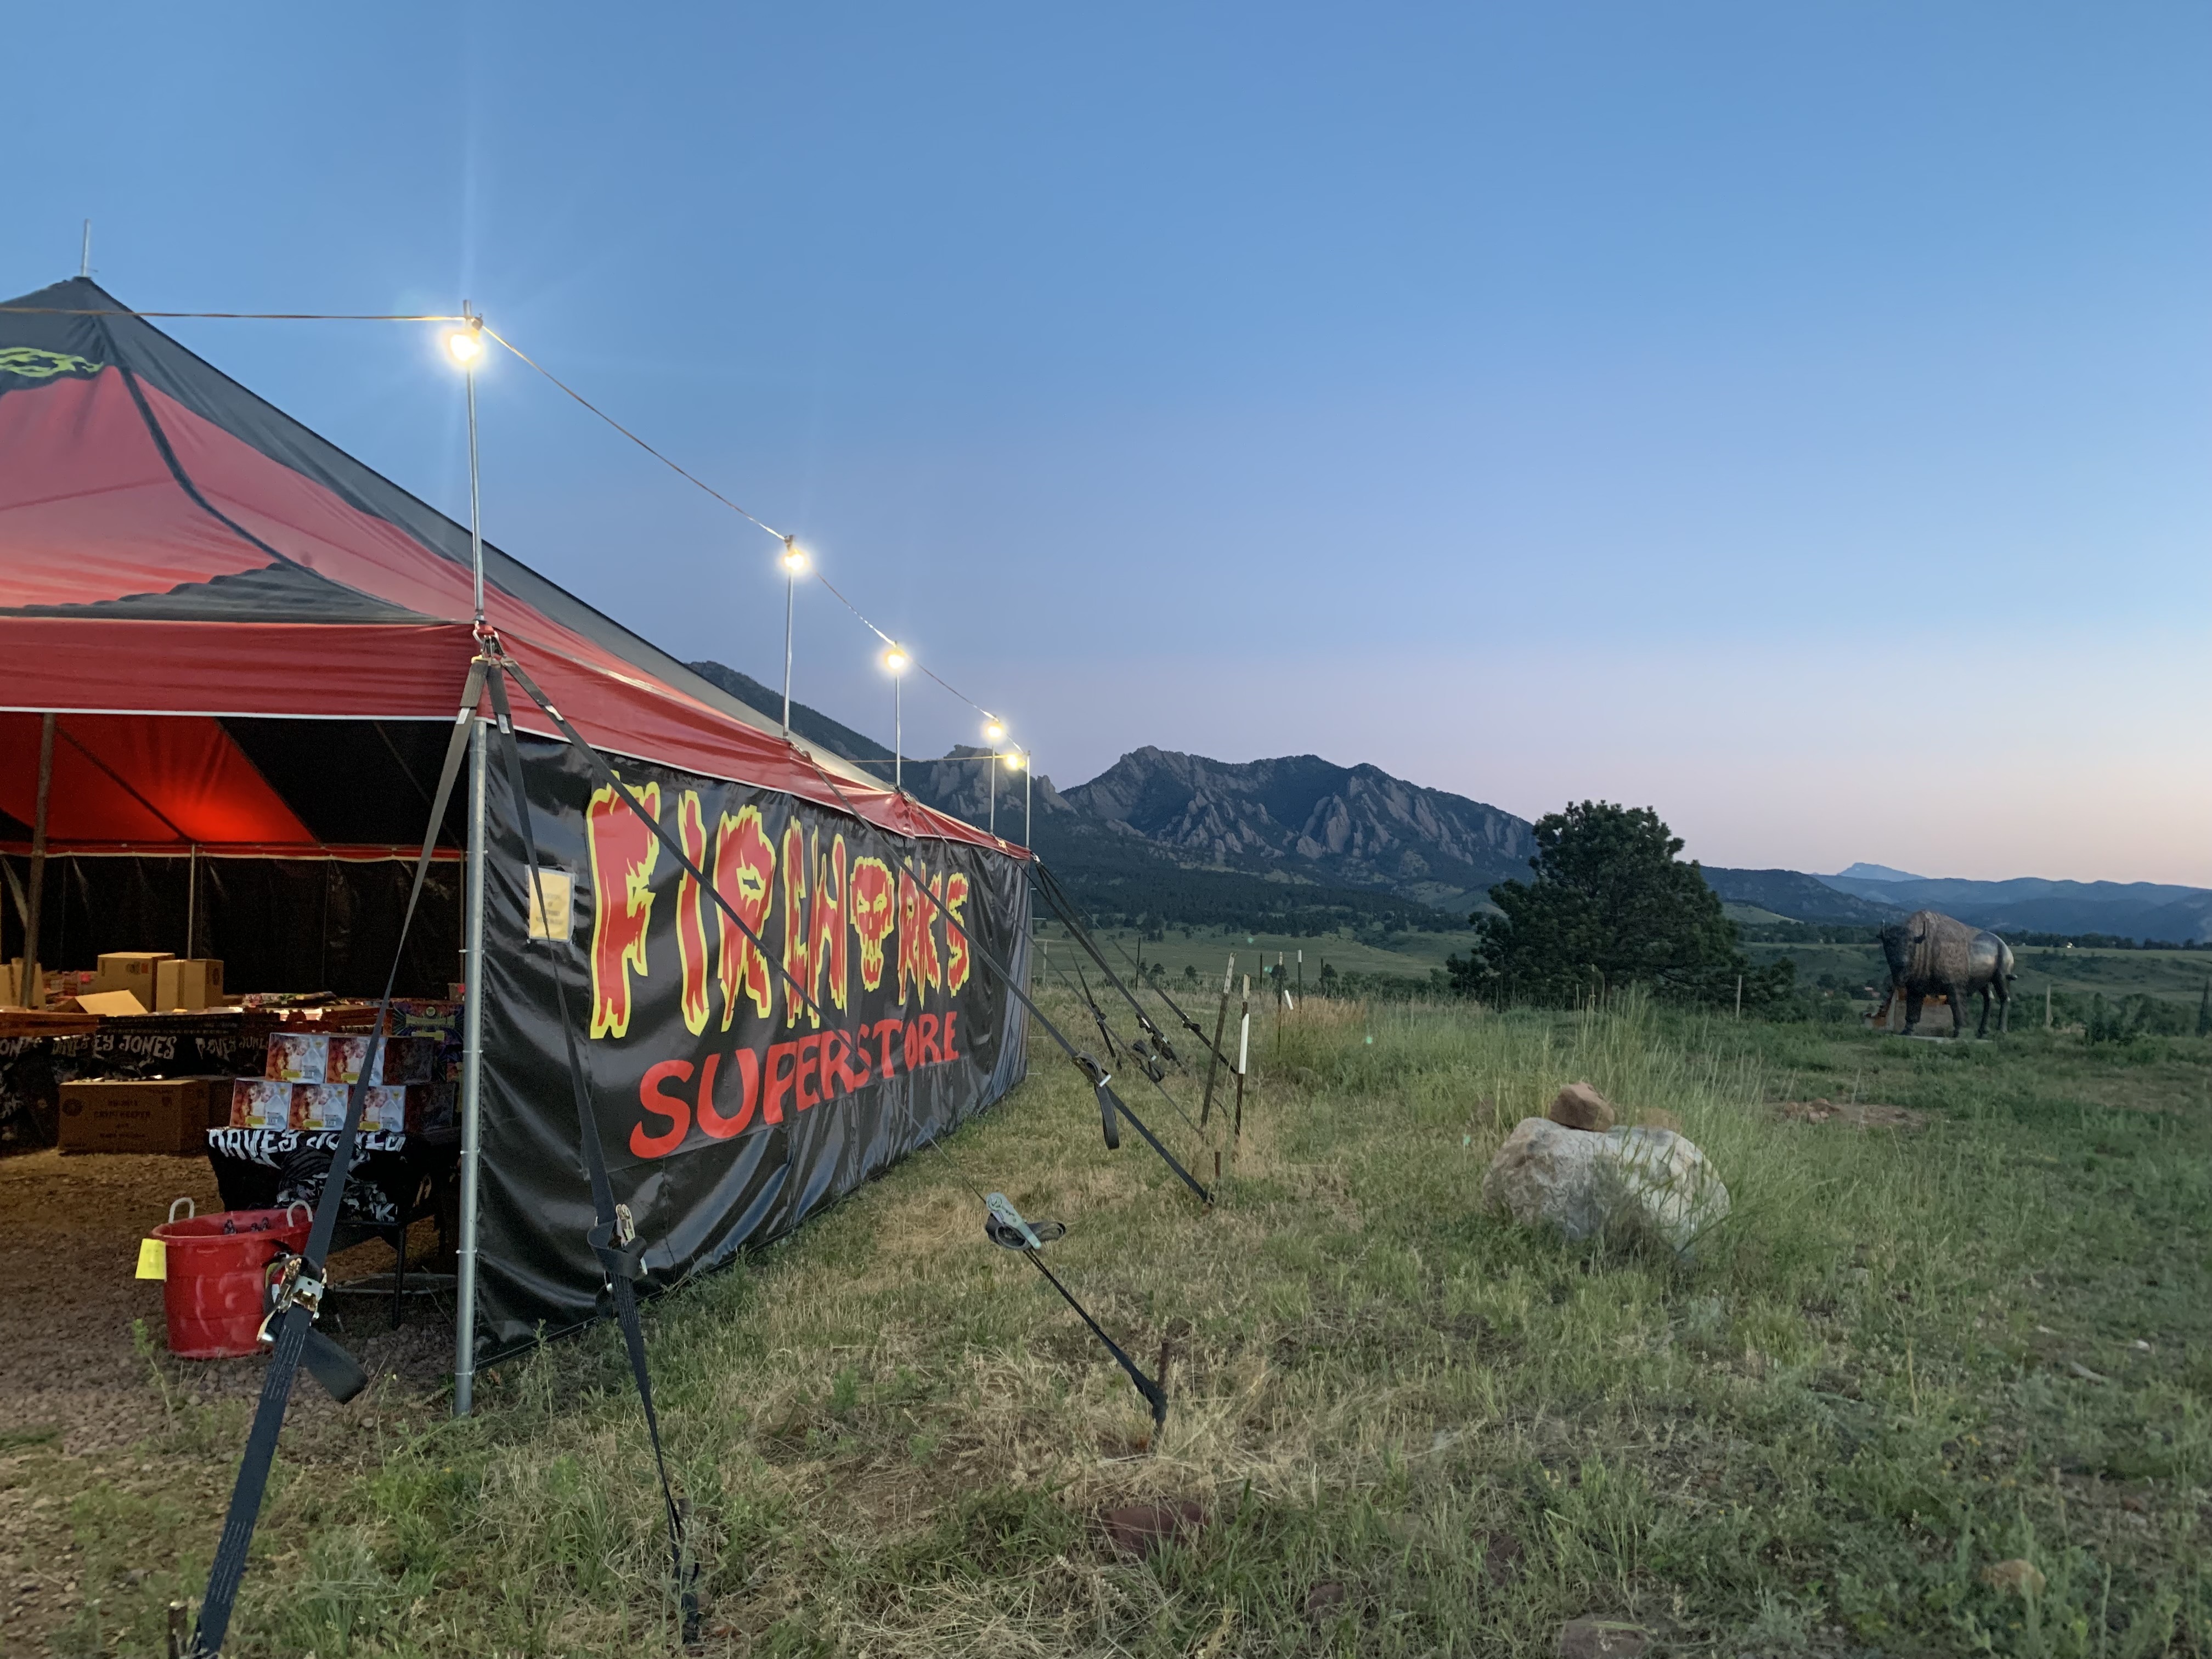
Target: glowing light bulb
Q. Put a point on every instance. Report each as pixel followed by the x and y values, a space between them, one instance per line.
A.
pixel 465 346
pixel 794 559
pixel 895 660
pixel 994 732
pixel 1016 761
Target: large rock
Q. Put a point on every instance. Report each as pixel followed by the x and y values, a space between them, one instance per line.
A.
pixel 1578 1106
pixel 1651 1182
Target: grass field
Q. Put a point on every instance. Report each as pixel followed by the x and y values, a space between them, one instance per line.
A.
pixel 1412 1428
pixel 2171 975
pixel 1403 955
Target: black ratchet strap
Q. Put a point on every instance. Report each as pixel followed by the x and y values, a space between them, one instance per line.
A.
pixel 297 1294
pixel 1071 918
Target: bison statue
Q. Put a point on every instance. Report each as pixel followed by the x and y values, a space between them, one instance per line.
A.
pixel 1930 952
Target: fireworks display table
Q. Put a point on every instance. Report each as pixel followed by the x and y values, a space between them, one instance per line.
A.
pixel 395 1179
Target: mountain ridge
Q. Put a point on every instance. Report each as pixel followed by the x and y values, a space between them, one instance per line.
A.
pixel 1171 838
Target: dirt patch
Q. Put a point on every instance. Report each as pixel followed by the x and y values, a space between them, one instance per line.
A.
pixel 84 1404
pixel 1854 1114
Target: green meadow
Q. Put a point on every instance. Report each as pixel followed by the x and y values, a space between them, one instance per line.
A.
pixel 1403 1425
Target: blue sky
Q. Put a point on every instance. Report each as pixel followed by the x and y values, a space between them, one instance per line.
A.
pixel 1793 418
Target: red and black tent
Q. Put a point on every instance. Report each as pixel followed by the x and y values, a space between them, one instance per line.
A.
pixel 251 647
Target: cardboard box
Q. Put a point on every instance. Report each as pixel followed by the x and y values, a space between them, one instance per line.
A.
pixel 141 1116
pixel 188 982
pixel 322 1106
pixel 398 1058
pixel 299 1056
pixel 260 1102
pixel 129 970
pixel 109 1002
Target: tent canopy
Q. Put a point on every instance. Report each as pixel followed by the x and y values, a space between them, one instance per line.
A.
pixel 173 546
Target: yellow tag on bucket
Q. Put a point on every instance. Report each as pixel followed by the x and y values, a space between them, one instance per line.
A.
pixel 152 1259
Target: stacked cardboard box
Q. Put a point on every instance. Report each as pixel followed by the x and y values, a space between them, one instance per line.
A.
pixel 309 1079
pixel 144 1114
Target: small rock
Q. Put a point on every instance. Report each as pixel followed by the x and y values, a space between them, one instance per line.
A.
pixel 2021 1577
pixel 2084 1372
pixel 1654 1118
pixel 1600 1638
pixel 1140 1528
pixel 1578 1106
pixel 1651 1181
pixel 2134 1504
pixel 1324 1599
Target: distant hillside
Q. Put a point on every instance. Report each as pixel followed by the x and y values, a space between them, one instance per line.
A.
pixel 1305 818
pixel 1799 897
pixel 811 724
pixel 1300 844
pixel 2138 910
pixel 1112 872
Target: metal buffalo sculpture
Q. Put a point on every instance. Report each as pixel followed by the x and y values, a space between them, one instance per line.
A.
pixel 1931 952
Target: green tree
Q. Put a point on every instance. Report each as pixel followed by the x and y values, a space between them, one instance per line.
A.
pixel 2204 1011
pixel 1611 905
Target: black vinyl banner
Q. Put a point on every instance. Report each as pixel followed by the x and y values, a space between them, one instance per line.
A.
pixel 729 1107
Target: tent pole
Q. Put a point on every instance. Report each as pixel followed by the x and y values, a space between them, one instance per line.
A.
pixel 29 991
pixel 465 1288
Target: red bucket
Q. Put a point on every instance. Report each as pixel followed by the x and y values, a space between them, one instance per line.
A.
pixel 217 1272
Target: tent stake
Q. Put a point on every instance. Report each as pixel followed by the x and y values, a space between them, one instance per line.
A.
pixel 465 1284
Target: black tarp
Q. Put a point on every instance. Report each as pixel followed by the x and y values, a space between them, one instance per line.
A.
pixel 797 1110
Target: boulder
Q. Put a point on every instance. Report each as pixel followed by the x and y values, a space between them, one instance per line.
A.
pixel 1578 1106
pixel 1653 1181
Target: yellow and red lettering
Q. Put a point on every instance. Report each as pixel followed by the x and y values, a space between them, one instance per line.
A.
pixel 868 897
pixel 711 1119
pixel 782 1072
pixel 624 851
pixel 797 937
pixel 807 1073
pixel 661 1103
pixel 951 1015
pixel 690 913
pixel 918 958
pixel 957 963
pixel 744 876
pixel 837 1075
pixel 887 1034
pixel 828 929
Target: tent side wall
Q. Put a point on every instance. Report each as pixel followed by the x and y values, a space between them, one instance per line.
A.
pixel 728 1107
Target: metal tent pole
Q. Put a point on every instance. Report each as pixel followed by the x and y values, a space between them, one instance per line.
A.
pixel 465 1324
pixel 1028 767
pixel 790 589
pixel 898 733
pixel 28 991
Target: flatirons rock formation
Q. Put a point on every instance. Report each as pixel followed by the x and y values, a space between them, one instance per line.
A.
pixel 1350 826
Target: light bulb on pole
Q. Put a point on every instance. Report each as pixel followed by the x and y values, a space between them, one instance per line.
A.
pixel 994 734
pixel 794 567
pixel 895 664
pixel 465 347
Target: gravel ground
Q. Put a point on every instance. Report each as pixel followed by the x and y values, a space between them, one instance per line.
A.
pixel 86 1418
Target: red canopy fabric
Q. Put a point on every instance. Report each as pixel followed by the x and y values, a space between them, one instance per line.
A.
pixel 174 550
